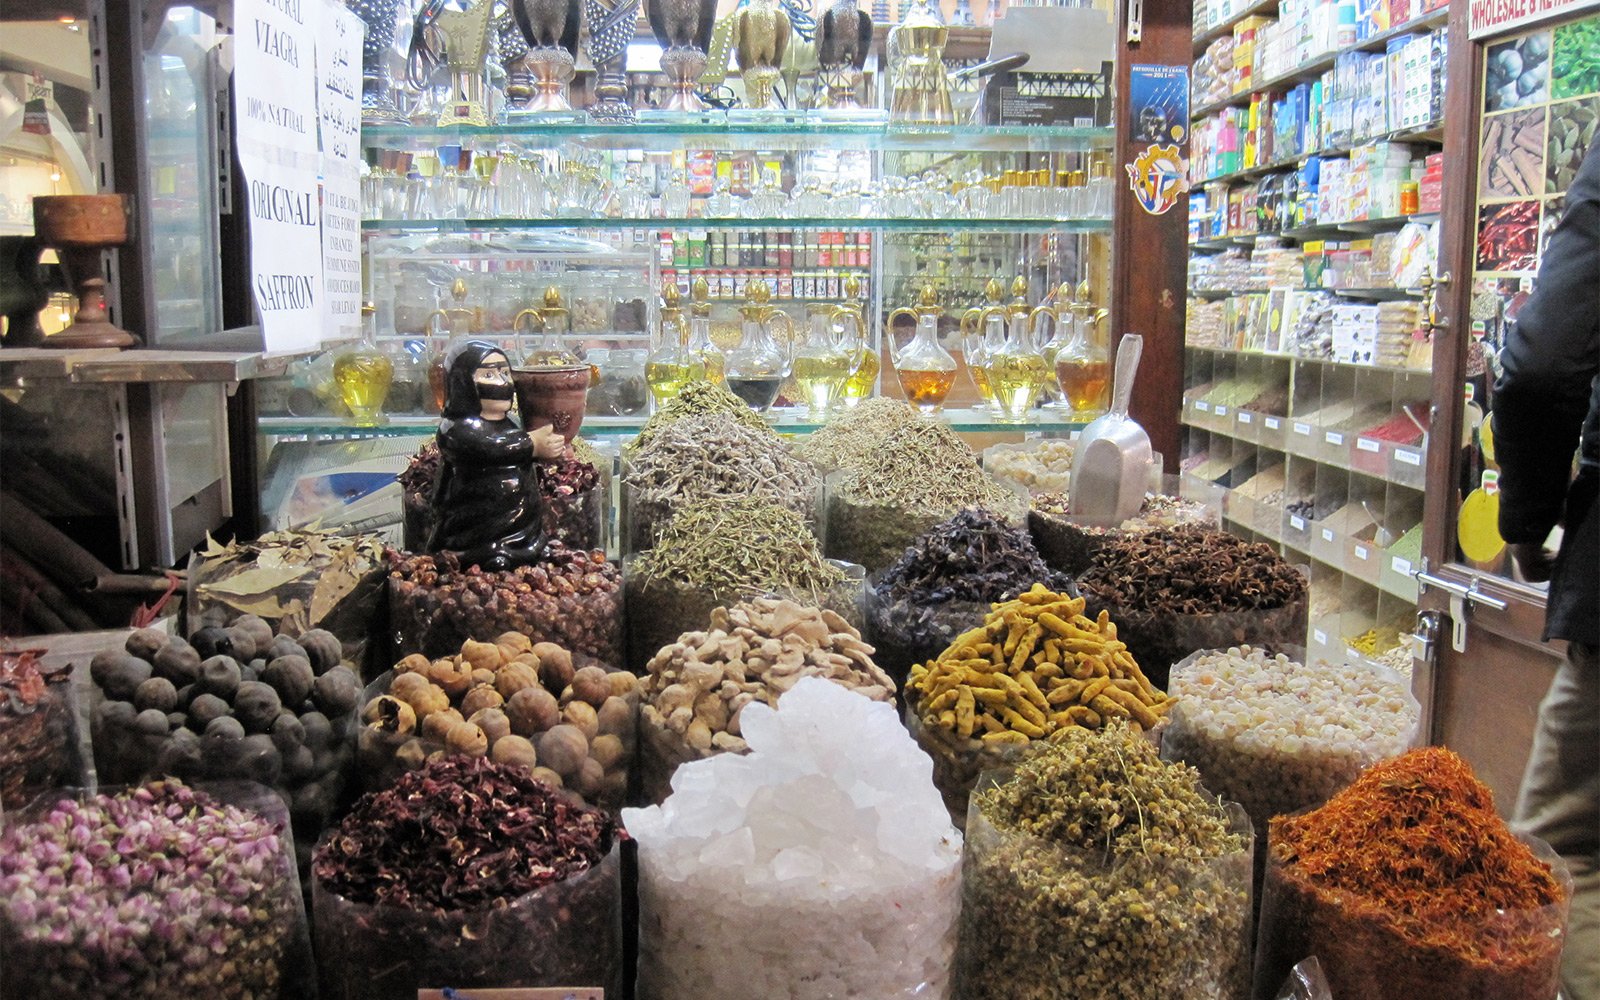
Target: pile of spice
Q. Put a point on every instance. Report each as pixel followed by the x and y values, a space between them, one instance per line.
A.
pixel 693 400
pixel 530 705
pixel 1278 736
pixel 1042 467
pixel 293 580
pixel 920 474
pixel 38 728
pixel 236 703
pixel 158 891
pixel 1096 841
pixel 471 873
pixel 821 864
pixel 720 550
pixel 852 435
pixel 1178 590
pixel 701 457
pixel 569 487
pixel 1409 884
pixel 697 688
pixel 573 598
pixel 1035 666
pixel 944 583
pixel 1069 543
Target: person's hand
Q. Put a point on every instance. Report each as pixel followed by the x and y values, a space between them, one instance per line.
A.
pixel 1533 560
pixel 547 444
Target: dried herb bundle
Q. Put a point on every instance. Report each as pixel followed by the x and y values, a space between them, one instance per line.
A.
pixel 712 456
pixel 463 833
pixel 1190 571
pixel 849 437
pixel 1094 840
pixel 1408 883
pixel 740 546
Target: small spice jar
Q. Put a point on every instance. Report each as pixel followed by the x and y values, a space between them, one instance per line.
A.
pixel 1410 203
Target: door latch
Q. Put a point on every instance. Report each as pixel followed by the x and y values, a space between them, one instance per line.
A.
pixel 1425 637
pixel 1462 599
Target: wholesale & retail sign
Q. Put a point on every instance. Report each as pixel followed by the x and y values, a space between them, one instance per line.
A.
pixel 1491 17
pixel 294 104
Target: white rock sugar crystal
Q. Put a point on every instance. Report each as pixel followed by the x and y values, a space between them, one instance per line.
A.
pixel 822 864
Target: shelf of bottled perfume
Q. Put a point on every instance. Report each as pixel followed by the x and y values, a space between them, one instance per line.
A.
pixel 912 224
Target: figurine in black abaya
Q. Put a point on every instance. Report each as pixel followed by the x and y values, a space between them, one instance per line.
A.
pixel 486 502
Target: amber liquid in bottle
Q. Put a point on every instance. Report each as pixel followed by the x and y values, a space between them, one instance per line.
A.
pixel 436 383
pixel 821 379
pixel 364 378
pixel 859 385
pixel 1016 382
pixel 980 378
pixel 1084 383
pixel 926 390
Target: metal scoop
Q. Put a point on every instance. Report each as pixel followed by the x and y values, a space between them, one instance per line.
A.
pixel 1111 465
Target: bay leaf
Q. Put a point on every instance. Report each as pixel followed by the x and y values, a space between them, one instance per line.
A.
pixel 261 580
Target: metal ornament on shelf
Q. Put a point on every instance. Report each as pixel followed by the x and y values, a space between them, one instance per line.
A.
pixel 919 87
pixel 381 18
pixel 683 30
pixel 760 36
pixel 842 48
pixel 550 27
pixel 466 45
pixel 611 27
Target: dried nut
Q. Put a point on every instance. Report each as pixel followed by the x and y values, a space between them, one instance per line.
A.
pixel 564 750
pixel 555 665
pixel 512 645
pixel 532 710
pixel 514 750
pixel 607 750
pixel 616 718
pixel 466 738
pixel 452 675
pixel 485 655
pixel 415 663
pixel 493 722
pixel 591 685
pixel 582 715
pixel 480 697
pixel 547 776
pixel 513 677
pixel 390 715
pixel 438 724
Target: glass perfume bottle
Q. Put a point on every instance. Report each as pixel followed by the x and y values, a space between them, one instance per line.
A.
pixel 1058 311
pixel 823 360
pixel 554 323
pixel 925 369
pixel 722 204
pixel 671 364
pixel 864 364
pixel 974 340
pixel 363 374
pixel 1083 367
pixel 700 343
pixel 919 87
pixel 755 370
pixel 445 327
pixel 1017 371
pixel 676 196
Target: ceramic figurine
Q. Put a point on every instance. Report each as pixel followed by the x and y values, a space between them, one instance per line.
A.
pixel 842 49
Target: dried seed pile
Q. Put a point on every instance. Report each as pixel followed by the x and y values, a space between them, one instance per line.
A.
pixel 1045 466
pixel 848 438
pixel 712 456
pixel 697 399
pixel 698 686
pixel 1094 840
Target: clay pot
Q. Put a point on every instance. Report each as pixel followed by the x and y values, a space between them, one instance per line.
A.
pixel 552 395
pixel 80 220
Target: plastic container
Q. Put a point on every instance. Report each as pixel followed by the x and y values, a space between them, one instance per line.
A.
pixel 565 934
pixel 661 610
pixel 39 747
pixel 258 949
pixel 1363 957
pixel 385 756
pixel 1187 937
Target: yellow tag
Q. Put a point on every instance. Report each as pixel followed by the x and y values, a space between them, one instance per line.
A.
pixel 1478 527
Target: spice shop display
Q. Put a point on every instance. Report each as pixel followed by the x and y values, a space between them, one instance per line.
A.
pixel 572 598
pixel 1095 869
pixel 234 703
pixel 1036 466
pixel 1278 736
pixel 921 474
pixel 696 689
pixel 1069 542
pixel 944 583
pixel 805 869
pixel 38 728
pixel 1035 666
pixel 1177 590
pixel 469 873
pixel 152 892
pixel 563 718
pixel 851 435
pixel 709 456
pixel 718 551
pixel 295 581
pixel 1407 884
pixel 572 489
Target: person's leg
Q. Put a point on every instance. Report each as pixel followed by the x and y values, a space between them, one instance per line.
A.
pixel 1560 804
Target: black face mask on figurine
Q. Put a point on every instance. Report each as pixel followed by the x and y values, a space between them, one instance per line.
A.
pixel 486 502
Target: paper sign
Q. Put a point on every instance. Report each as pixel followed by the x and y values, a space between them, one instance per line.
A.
pixel 1300 428
pixel 1488 17
pixel 1408 457
pixel 1361 552
pixel 1245 417
pixel 1202 406
pixel 1333 438
pixel 1401 566
pixel 1273 423
pixel 1366 444
pixel 1222 411
pixel 1320 636
pixel 516 993
pixel 339 117
pixel 1327 534
pixel 1297 523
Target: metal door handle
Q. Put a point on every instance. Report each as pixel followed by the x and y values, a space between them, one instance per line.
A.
pixel 1466 592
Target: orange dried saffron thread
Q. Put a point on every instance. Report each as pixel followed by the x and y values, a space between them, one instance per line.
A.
pixel 1415 844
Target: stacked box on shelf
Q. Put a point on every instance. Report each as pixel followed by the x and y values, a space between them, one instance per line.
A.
pixel 1244 51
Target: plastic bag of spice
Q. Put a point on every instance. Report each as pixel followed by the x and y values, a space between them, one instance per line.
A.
pixel 1101 844
pixel 958 763
pixel 1160 639
pixel 570 721
pixel 875 533
pixel 904 633
pixel 1409 884
pixel 419 888
pixel 38 728
pixel 1306 982
pixel 215 908
pixel 573 599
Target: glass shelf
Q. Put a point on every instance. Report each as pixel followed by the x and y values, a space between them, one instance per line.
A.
pixel 783 420
pixel 717 132
pixel 914 225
